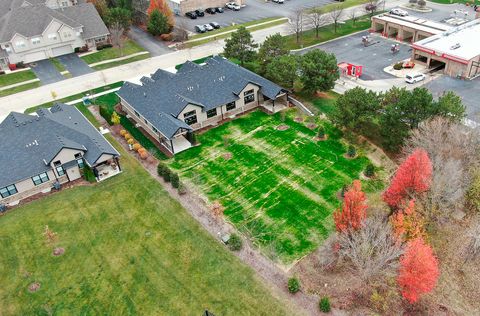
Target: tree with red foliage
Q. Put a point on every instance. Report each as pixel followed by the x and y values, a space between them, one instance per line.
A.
pixel 354 209
pixel 418 272
pixel 162 6
pixel 412 177
pixel 407 223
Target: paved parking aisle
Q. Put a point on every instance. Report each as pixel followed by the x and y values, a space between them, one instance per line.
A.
pixel 46 71
pixel 154 46
pixel 75 65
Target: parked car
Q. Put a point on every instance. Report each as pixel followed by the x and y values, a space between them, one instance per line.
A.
pixel 192 15
pixel 200 29
pixel 199 12
pixel 219 10
pixel 232 6
pixel 413 78
pixel 211 10
pixel 278 1
pixel 399 12
pixel 215 25
pixel 208 27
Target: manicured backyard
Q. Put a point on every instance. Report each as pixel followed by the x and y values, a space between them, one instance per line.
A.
pixel 130 249
pixel 280 187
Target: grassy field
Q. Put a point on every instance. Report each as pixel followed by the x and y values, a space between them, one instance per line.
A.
pixel 345 4
pixel 113 52
pixel 327 33
pixel 16 77
pixel 279 187
pixel 23 87
pixel 129 250
pixel 121 62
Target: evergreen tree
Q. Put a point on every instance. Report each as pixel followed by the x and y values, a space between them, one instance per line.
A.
pixel 240 46
pixel 157 23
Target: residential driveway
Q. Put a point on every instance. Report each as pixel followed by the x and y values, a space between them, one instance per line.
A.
pixel 75 65
pixel 468 90
pixel 151 44
pixel 46 71
pixel 255 10
pixel 373 58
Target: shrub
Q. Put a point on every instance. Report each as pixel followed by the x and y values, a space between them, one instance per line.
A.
pixel 351 152
pixel 20 65
pixel 77 50
pixel 369 170
pixel 175 180
pixel 182 189
pixel 398 66
pixel 88 174
pixel 421 3
pixel 2 72
pixel 123 132
pixel 321 132
pixel 324 304
pixel 293 285
pixel 235 243
pixel 130 141
pixel 161 169
pixel 143 155
pixel 136 146
pixel 344 189
pixel 142 150
pixel 166 37
pixel 192 138
pixel 167 176
pixel 106 113
pixel 127 136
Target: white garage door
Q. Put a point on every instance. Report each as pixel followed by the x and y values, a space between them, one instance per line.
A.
pixel 29 58
pixel 62 50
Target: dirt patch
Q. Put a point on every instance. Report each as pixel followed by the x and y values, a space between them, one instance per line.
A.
pixel 58 251
pixel 346 156
pixel 323 95
pixel 34 287
pixel 227 156
pixel 283 127
pixel 298 119
pixel 312 126
pixel 320 139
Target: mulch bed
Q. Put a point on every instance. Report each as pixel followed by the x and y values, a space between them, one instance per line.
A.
pixel 58 251
pixel 345 155
pixel 283 127
pixel 319 139
pixel 227 156
pixel 34 287
pixel 323 95
pixel 312 126
pixel 298 119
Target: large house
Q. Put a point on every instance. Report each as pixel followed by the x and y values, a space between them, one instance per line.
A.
pixel 32 30
pixel 49 148
pixel 169 107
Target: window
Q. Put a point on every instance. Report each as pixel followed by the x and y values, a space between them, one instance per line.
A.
pixel 20 43
pixel 212 113
pixel 67 34
pixel 80 161
pixel 41 178
pixel 9 190
pixel 145 120
pixel 36 40
pixel 59 168
pixel 136 113
pixel 64 3
pixel 190 117
pixel 154 129
pixel 249 96
pixel 100 39
pixel 230 106
pixel 52 36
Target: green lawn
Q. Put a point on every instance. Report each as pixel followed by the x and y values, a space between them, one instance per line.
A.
pixel 130 249
pixel 455 1
pixel 345 4
pixel 16 77
pixel 121 62
pixel 113 52
pixel 58 65
pixel 279 187
pixel 327 32
pixel 23 87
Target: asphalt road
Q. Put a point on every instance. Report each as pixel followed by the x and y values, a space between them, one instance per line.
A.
pixel 373 58
pixel 254 10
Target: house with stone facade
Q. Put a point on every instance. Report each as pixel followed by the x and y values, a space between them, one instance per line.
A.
pixel 169 107
pixel 32 30
pixel 44 150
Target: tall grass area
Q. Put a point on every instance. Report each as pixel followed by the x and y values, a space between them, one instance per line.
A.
pixel 130 249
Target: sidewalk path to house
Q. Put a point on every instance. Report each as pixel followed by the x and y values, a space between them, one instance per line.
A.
pixel 19 102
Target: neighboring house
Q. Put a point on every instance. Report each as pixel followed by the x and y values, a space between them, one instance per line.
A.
pixel 169 107
pixel 51 147
pixel 32 30
pixel 180 7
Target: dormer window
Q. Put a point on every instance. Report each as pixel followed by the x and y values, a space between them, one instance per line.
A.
pixel 20 44
pixel 67 34
pixel 36 40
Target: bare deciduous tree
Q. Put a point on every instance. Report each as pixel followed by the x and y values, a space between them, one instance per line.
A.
pixel 296 23
pixel 180 32
pixel 353 15
pixel 373 251
pixel 318 19
pixel 335 15
pixel 472 247
pixel 116 32
pixel 453 150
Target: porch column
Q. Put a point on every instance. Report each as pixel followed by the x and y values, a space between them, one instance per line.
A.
pixel 171 144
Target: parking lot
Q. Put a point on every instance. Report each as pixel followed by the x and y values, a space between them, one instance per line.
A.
pixel 254 10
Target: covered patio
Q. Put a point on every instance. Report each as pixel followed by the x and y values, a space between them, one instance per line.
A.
pixel 180 143
pixel 277 105
pixel 107 169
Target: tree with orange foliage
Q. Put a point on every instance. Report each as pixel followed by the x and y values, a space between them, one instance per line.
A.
pixel 419 271
pixel 354 209
pixel 407 223
pixel 412 177
pixel 162 6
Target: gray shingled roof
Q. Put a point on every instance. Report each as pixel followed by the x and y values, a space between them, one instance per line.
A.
pixel 28 140
pixel 32 19
pixel 216 83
